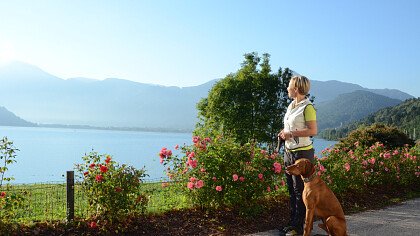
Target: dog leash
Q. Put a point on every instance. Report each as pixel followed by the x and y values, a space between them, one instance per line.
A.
pixel 280 143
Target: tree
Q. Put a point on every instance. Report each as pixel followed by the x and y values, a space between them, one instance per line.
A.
pixel 248 105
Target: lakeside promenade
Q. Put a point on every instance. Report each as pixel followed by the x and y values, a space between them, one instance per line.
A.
pixel 401 219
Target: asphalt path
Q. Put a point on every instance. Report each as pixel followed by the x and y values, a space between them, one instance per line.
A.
pixel 401 219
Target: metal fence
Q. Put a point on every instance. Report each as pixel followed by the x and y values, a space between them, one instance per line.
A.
pixel 49 201
pixel 53 201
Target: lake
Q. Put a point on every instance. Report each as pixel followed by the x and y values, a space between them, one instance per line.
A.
pixel 45 154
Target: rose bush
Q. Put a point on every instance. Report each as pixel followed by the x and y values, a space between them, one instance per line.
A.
pixel 220 172
pixel 11 202
pixel 363 166
pixel 113 190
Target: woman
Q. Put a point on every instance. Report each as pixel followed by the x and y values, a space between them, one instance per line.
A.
pixel 299 125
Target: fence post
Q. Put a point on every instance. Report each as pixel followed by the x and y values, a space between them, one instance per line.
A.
pixel 70 196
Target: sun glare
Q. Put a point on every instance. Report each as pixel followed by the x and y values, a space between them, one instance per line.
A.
pixel 7 53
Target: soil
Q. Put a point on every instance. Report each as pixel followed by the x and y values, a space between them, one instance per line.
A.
pixel 274 214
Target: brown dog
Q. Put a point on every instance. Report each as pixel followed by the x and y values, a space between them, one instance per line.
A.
pixel 319 200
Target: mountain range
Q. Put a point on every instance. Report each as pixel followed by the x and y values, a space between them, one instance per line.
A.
pixel 348 107
pixel 405 116
pixel 39 97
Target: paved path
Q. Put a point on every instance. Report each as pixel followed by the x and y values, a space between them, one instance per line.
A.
pixel 402 219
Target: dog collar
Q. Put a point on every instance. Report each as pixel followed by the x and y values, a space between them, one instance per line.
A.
pixel 310 178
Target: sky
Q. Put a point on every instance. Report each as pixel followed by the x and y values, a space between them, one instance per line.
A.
pixel 375 44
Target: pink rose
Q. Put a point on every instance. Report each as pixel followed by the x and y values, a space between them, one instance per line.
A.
pixel 162 152
pixel 190 185
pixel 321 168
pixel 195 139
pixel 235 177
pixel 199 184
pixel 347 166
pixel 219 188
pixel 168 153
pixel 260 176
pixel 277 167
pixel 192 163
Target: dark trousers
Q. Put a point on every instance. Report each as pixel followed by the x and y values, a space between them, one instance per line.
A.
pixel 295 188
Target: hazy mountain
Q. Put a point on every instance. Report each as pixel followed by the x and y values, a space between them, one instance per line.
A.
pixel 7 118
pixel 40 97
pixel 329 90
pixel 350 107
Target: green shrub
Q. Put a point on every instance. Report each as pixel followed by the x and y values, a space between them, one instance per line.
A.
pixel 391 137
pixel 222 173
pixel 112 190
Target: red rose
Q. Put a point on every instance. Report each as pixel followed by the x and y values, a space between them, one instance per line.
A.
pixel 93 224
pixel 104 169
pixel 99 178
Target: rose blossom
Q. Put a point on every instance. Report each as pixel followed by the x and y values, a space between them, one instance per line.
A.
pixel 199 184
pixel 99 178
pixel 104 169
pixel 93 225
pixel 108 159
pixel 235 177
pixel 277 167
pixel 347 166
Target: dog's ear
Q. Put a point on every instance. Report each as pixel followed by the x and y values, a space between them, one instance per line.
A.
pixel 307 167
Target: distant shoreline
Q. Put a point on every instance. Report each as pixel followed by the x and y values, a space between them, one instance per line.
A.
pixel 88 127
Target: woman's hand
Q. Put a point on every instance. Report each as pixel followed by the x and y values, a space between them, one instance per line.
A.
pixel 285 135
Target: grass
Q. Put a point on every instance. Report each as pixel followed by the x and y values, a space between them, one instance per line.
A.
pixel 162 199
pixel 46 202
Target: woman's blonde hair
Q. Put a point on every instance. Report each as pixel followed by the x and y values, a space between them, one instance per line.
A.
pixel 301 83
